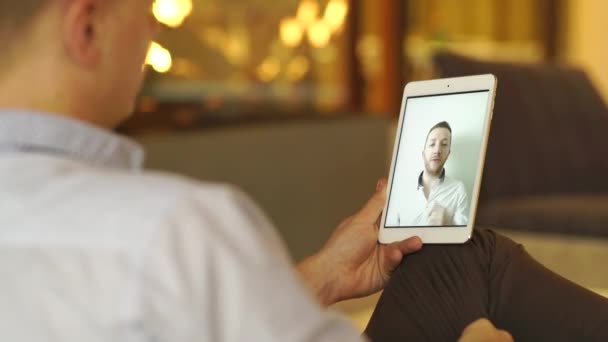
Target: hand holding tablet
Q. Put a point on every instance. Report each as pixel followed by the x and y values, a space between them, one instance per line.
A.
pixel 438 160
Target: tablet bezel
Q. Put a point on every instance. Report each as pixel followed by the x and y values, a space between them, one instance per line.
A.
pixel 445 234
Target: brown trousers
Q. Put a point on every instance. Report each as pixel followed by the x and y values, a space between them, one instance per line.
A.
pixel 437 292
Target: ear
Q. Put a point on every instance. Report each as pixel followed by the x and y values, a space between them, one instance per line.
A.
pixel 80 32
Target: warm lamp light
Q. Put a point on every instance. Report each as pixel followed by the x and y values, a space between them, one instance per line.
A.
pixel 297 68
pixel 291 32
pixel 159 58
pixel 319 34
pixel 307 12
pixel 335 14
pixel 269 69
pixel 172 12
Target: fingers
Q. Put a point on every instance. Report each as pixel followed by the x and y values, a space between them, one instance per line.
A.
pixel 381 183
pixel 373 208
pixel 409 245
pixel 397 250
pixel 480 324
pixel 483 330
pixel 505 336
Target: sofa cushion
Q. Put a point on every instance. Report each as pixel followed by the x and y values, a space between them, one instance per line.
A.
pixel 306 174
pixel 568 214
pixel 547 133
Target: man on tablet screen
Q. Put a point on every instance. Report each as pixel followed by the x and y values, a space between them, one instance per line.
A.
pixel 439 200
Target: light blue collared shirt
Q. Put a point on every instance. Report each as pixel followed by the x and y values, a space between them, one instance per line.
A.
pixel 38 132
pixel 92 253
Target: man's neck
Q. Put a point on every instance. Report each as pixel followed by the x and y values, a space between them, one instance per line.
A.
pixel 429 180
pixel 53 102
pixel 33 89
pixel 43 87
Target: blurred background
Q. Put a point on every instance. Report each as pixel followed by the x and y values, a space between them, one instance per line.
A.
pixel 295 101
pixel 220 61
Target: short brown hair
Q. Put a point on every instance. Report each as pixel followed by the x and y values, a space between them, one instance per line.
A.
pixel 15 15
pixel 442 124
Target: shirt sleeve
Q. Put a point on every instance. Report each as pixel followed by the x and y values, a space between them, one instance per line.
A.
pixel 461 216
pixel 218 271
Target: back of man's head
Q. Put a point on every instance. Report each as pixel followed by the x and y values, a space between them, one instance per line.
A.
pixel 16 14
pixel 442 124
pixel 77 58
pixel 15 18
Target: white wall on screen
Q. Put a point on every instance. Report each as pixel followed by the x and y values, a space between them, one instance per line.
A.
pixel 466 115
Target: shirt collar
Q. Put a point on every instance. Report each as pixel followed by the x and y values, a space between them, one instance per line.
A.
pixel 48 133
pixel 441 179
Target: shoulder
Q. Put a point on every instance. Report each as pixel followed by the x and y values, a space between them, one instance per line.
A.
pixel 455 184
pixel 155 187
pixel 125 206
pixel 211 210
pixel 152 192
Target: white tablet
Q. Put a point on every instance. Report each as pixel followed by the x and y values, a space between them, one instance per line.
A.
pixel 438 160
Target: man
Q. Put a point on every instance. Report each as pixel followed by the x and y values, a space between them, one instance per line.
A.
pixel 439 200
pixel 95 249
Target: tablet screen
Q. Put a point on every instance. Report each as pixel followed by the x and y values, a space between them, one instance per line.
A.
pixel 437 160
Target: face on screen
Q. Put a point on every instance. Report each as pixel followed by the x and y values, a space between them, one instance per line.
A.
pixel 437 160
pixel 436 150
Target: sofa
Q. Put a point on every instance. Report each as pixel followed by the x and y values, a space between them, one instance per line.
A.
pixel 306 174
pixel 543 183
pixel 546 168
pixel 309 174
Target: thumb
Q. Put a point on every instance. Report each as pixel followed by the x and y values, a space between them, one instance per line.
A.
pixel 397 250
pixel 373 208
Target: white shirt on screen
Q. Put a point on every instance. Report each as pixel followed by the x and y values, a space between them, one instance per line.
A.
pixel 92 248
pixel 417 210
